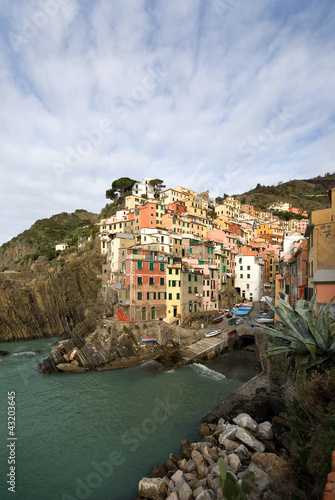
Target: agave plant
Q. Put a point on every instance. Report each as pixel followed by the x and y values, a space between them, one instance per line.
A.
pixel 307 338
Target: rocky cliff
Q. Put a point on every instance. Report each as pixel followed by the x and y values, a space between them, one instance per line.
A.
pixel 53 303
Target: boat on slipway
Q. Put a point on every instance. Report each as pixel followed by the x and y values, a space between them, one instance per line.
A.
pixel 228 331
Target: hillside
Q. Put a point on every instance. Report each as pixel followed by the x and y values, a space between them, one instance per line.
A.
pixel 43 235
pixel 310 194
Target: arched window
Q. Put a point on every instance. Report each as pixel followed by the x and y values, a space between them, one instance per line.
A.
pixel 153 312
pixel 190 306
pixel 143 313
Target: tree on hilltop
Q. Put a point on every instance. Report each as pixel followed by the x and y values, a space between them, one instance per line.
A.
pixel 158 185
pixel 120 188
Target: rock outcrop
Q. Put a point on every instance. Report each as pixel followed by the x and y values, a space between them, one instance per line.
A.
pixel 51 304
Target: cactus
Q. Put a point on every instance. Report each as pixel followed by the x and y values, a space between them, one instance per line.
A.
pixel 230 487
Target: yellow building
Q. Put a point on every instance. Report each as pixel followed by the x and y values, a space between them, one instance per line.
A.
pixel 195 206
pixel 321 253
pixel 271 228
pixel 173 291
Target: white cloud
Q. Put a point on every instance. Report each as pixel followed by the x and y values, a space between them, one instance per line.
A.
pixel 210 95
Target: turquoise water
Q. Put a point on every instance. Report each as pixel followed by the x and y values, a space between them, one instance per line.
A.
pixel 95 435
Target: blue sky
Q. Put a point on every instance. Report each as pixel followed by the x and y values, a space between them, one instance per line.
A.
pixel 207 94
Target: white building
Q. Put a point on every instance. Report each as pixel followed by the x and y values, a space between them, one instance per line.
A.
pixel 163 240
pixel 61 247
pixel 249 274
pixel 144 188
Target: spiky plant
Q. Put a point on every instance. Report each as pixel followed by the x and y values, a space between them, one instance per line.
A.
pixel 305 337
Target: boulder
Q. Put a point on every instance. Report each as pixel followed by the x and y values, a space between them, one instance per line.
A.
pixel 74 362
pixel 159 472
pixel 73 354
pixel 4 353
pixel 243 453
pixel 234 462
pixel 186 448
pixel 244 420
pixel 262 479
pixel 229 433
pixel 229 445
pixel 198 457
pixel 206 495
pixel 265 431
pixel 249 440
pixel 178 479
pixel 149 487
pixel 173 496
pixel 277 468
pixel 204 430
pixel 185 492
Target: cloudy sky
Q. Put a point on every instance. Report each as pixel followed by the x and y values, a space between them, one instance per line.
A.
pixel 207 94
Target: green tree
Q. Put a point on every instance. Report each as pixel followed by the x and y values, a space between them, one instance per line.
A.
pixel 158 185
pixel 120 188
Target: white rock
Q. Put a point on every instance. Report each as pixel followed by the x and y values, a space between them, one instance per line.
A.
pixel 265 431
pixel 249 440
pixel 185 492
pixel 197 491
pixel 222 424
pixel 178 479
pixel 234 462
pixel 229 433
pixel 262 479
pixel 173 496
pixel 243 453
pixel 229 445
pixel 205 495
pixel 244 420
pixel 149 487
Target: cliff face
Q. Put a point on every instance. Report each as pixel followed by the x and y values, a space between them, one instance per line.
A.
pixel 53 303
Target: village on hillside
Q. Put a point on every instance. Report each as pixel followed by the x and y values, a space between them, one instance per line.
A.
pixel 173 252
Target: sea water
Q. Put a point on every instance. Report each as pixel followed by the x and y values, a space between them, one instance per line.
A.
pixel 95 435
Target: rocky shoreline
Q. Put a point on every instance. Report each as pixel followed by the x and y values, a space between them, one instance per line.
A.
pixel 247 430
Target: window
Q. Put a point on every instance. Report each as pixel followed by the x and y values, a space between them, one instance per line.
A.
pixel 139 280
pixel 177 271
pixel 143 313
pixel 248 276
pixel 248 268
pixel 148 295
pixel 190 306
pixel 161 267
pixel 151 280
pixel 139 265
pixel 178 296
pixel 241 268
pixel 151 266
pixel 241 276
pixel 153 313
pixel 139 295
pixel 161 281
pixel 154 295
pixel 174 283
pixel 195 278
pixel 134 252
pixel 170 296
pixel 170 270
pixel 195 289
pixel 189 289
pixel 189 277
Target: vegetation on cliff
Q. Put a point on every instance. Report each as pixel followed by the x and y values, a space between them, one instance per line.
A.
pixel 43 235
pixel 309 194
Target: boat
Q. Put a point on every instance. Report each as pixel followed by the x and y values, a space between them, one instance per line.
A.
pixel 218 319
pixel 212 333
pixel 149 339
pixel 265 320
pixel 235 321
